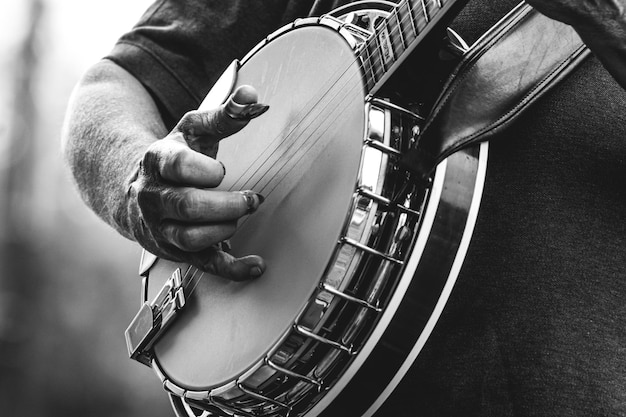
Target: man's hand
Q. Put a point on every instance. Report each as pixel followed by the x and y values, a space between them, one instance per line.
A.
pixel 581 13
pixel 175 211
pixel 600 23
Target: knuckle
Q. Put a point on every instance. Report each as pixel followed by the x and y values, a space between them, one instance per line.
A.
pixel 137 188
pixel 141 191
pixel 172 164
pixel 186 239
pixel 217 122
pixel 180 237
pixel 145 195
pixel 177 202
pixel 187 122
pixel 222 263
pixel 162 158
pixel 207 120
pixel 150 161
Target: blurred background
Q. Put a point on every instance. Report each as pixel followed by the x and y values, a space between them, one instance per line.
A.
pixel 68 283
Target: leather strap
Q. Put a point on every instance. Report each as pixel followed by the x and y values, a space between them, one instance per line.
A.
pixel 510 67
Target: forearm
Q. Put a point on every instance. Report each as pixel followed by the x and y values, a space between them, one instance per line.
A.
pixel 111 120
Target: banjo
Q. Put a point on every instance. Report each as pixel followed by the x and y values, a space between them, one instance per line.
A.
pixel 361 253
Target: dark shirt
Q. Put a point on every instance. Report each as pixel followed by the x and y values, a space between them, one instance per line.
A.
pixel 535 325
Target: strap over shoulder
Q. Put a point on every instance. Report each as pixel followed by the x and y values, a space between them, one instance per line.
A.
pixel 513 64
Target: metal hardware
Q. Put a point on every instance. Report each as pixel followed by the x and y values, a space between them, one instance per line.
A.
pixel 350 264
pixel 152 319
pixel 236 412
pixel 403 234
pixel 192 406
pixel 144 290
pixel 196 395
pixel 262 397
pixel 456 43
pixel 159 373
pixel 365 192
pixel 310 334
pixel 350 298
pixel 372 70
pixel 412 18
pixel 337 24
pixel 146 262
pixel 295 375
pixel 399 23
pixel 369 250
pixel 171 387
pixel 388 105
pixel 382 147
pixel 425 11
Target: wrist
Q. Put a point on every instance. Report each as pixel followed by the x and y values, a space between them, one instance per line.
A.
pixel 127 215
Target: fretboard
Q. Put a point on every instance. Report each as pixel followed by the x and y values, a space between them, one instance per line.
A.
pixel 398 35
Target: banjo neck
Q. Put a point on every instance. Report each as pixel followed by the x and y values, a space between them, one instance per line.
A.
pixel 398 35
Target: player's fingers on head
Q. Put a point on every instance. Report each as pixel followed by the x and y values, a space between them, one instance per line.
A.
pixel 232 116
pixel 196 205
pixel 236 269
pixel 196 237
pixel 178 164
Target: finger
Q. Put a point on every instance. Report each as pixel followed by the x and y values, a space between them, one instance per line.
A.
pixel 196 238
pixel 236 269
pixel 243 104
pixel 174 162
pixel 206 206
pixel 203 129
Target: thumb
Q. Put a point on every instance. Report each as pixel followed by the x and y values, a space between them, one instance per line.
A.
pixel 202 130
pixel 243 104
pixel 227 266
pixel 241 107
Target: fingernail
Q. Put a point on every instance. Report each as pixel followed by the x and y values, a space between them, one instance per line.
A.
pixel 244 111
pixel 250 111
pixel 256 271
pixel 223 167
pixel 251 202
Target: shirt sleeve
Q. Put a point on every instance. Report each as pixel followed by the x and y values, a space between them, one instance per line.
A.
pixel 179 48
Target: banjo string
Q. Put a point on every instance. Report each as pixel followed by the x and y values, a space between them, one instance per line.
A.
pixel 274 156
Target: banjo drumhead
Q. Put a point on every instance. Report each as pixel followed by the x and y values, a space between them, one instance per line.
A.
pixel 303 155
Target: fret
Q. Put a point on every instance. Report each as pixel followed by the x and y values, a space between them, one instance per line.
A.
pixel 411 17
pixel 395 36
pixel 399 24
pixel 416 6
pixel 375 60
pixel 425 11
pixel 408 30
pixel 397 40
pixel 433 7
pixel 376 51
pixel 368 69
